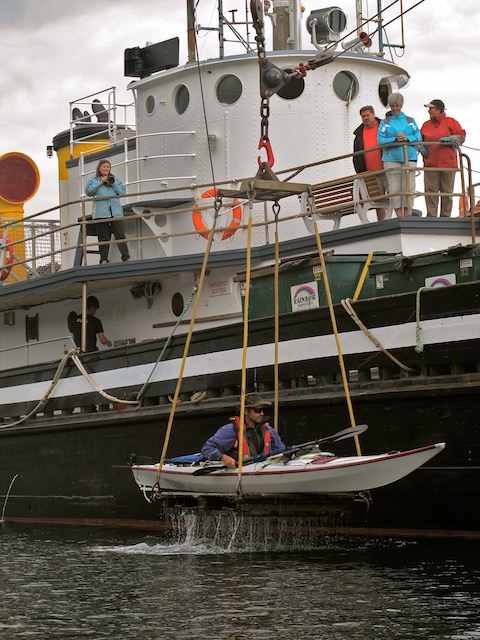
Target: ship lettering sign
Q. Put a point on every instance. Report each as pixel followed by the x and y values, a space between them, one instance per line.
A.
pixel 220 288
pixel 304 296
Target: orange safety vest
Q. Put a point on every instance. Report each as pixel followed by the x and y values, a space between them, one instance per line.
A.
pixel 267 439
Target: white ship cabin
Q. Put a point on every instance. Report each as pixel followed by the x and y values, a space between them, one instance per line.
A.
pixel 200 123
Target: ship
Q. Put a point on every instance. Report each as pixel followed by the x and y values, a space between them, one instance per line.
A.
pixel 254 253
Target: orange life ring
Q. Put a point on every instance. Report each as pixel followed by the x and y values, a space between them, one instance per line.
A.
pixel 200 225
pixel 7 257
pixel 463 206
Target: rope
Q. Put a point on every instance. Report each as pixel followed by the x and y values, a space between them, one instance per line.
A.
pixel 43 401
pixel 143 390
pixel 73 354
pixel 244 358
pixel 347 305
pixel 79 364
pixel 187 344
pixel 418 331
pixel 337 338
pixel 276 377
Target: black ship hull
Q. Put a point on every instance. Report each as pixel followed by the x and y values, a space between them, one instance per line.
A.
pixel 71 461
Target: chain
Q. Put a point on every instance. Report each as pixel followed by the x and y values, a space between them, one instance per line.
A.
pixel 256 8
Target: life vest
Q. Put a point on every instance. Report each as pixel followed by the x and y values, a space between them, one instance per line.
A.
pixel 267 440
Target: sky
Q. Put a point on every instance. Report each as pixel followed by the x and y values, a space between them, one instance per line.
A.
pixel 56 51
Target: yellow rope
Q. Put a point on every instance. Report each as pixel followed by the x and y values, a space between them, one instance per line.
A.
pixel 277 332
pixel 337 339
pixel 244 354
pixel 362 277
pixel 186 349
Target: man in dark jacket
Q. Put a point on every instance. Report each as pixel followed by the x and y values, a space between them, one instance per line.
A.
pixel 366 138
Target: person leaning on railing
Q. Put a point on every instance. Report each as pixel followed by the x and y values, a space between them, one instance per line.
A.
pixel 441 159
pixel 366 138
pixel 106 185
pixel 401 128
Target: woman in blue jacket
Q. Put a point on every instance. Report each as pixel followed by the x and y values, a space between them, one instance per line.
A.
pixel 108 212
pixel 398 127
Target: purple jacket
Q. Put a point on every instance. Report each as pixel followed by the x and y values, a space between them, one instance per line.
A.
pixel 223 440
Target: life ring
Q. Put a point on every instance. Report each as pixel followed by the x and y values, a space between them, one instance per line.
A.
pixel 6 256
pixel 201 227
pixel 463 206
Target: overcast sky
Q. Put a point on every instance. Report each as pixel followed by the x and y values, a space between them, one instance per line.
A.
pixel 55 51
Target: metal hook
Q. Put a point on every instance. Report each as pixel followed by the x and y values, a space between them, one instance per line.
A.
pixel 265 144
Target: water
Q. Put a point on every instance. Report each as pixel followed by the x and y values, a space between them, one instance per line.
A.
pixel 249 584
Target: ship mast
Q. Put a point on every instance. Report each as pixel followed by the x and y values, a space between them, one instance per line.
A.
pixel 286 25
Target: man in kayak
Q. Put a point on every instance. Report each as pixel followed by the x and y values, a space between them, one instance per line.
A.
pixel 259 437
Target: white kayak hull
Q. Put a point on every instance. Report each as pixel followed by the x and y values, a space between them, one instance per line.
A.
pixel 309 474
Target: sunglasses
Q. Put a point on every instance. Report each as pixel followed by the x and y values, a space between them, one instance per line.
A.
pixel 257 410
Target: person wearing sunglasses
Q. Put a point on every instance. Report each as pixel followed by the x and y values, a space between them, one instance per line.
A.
pixel 258 435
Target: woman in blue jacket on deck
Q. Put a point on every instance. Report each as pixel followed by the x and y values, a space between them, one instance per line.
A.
pixel 399 127
pixel 106 185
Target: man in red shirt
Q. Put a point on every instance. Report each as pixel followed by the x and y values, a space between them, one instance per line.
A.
pixel 366 138
pixel 441 160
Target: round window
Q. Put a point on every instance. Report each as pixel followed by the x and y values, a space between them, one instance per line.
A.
pixel 182 99
pixel 294 88
pixel 160 220
pixel 150 105
pixel 345 85
pixel 229 90
pixel 177 304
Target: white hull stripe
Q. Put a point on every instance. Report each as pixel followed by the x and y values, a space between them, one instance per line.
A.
pixel 436 331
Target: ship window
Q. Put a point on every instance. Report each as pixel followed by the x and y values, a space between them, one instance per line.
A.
pixel 294 88
pixel 182 99
pixel 229 90
pixel 177 304
pixel 31 328
pixel 150 105
pixel 384 91
pixel 345 85
pixel 160 220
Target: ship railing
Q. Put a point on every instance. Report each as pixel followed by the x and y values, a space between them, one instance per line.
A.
pixel 105 108
pixel 28 349
pixel 38 244
pixel 35 246
pixel 355 197
pixel 130 166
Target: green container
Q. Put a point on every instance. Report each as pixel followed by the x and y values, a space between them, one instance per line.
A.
pixel 301 283
pixel 454 265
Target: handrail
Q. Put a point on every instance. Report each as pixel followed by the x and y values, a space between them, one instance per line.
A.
pixel 31 258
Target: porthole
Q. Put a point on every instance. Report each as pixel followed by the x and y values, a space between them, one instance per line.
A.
pixel 182 99
pixel 345 85
pixel 160 220
pixel 294 87
pixel 229 89
pixel 177 304
pixel 150 105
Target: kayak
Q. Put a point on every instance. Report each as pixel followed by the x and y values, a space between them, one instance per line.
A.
pixel 314 472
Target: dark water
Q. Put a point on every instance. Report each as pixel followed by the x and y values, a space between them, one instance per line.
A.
pixel 248 584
